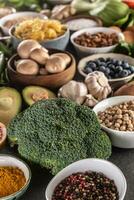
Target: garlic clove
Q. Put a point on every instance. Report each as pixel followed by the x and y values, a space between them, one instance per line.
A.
pixel 103 81
pixel 76 91
pixel 90 101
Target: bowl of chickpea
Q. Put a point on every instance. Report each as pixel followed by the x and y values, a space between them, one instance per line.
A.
pixel 116 116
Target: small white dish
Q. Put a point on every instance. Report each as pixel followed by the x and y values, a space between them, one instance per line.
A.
pixel 115 83
pixel 121 139
pixel 84 51
pixel 18 15
pixel 7 160
pixel 92 164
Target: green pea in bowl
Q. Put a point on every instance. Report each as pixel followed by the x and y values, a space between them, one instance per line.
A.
pixel 10 161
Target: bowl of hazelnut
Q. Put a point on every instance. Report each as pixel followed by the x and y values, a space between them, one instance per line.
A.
pixel 116 116
pixel 35 65
pixel 95 40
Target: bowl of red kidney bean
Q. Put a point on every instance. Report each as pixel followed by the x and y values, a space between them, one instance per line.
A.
pixel 94 179
pixel 118 68
pixel 95 40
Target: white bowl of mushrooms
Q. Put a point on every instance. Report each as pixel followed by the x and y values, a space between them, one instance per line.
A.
pixel 116 115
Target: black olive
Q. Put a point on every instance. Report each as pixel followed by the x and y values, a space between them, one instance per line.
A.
pixel 118 62
pixel 97 62
pixel 123 73
pixel 108 59
pixel 88 70
pixel 117 75
pixel 132 69
pixel 92 65
pixel 126 65
pixel 102 59
pixel 102 69
pixel 111 66
pixel 107 71
pixel 129 72
pixel 118 68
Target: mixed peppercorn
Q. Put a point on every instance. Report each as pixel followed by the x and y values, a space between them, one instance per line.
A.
pixel 112 68
pixel 86 186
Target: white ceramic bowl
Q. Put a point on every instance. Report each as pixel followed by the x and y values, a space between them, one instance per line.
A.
pixel 56 43
pixel 7 160
pixel 18 15
pixel 84 51
pixel 98 165
pixel 120 139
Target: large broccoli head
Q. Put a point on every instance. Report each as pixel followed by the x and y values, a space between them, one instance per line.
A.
pixel 57 132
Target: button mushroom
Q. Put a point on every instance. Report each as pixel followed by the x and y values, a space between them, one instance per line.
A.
pixel 65 57
pixel 55 64
pixel 25 47
pixel 40 55
pixel 27 67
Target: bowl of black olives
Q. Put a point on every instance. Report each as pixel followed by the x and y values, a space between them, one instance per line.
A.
pixel 118 68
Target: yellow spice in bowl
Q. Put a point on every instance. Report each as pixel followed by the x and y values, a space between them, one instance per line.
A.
pixel 39 29
pixel 12 179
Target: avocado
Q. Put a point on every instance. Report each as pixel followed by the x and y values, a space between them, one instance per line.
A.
pixel 10 104
pixel 31 94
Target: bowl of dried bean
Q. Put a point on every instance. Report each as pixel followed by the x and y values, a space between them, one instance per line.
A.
pixel 116 116
pixel 95 40
pixel 88 179
pixel 15 176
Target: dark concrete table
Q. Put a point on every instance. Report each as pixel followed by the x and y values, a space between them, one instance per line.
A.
pixel 123 158
pixel 41 177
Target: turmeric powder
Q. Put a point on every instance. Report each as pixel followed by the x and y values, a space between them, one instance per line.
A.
pixel 12 179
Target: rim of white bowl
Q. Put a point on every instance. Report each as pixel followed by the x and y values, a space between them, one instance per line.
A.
pixel 12 29
pixel 27 182
pixel 96 29
pixel 91 159
pixel 125 133
pixel 85 59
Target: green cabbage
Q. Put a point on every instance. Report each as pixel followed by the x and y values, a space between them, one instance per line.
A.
pixel 114 11
pixel 88 5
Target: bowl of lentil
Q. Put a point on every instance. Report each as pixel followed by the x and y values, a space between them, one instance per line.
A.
pixel 15 179
pixel 95 40
pixel 116 115
pixel 88 179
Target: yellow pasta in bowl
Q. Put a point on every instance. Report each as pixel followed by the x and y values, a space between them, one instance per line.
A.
pixel 39 29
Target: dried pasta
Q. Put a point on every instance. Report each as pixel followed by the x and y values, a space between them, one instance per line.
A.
pixel 39 29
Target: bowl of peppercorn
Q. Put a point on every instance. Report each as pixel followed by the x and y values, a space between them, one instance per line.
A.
pixel 118 68
pixel 116 116
pixel 88 179
pixel 95 40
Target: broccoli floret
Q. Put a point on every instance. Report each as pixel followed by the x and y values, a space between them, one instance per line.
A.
pixel 56 132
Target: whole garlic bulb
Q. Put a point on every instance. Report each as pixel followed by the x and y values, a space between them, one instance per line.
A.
pixel 97 84
pixel 76 91
pixel 90 101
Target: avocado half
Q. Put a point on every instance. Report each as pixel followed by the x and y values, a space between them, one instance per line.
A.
pixel 29 91
pixel 10 104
